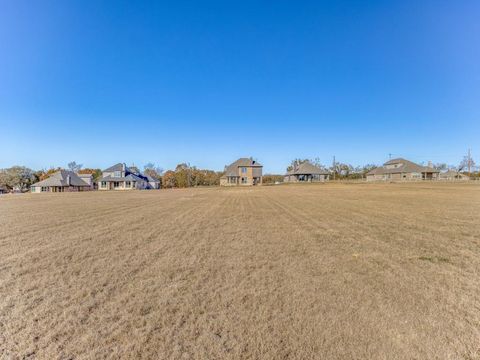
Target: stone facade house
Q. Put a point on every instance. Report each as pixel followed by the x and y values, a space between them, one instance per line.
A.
pixel 62 181
pixel 243 172
pixel 401 169
pixel 306 172
pixel 120 177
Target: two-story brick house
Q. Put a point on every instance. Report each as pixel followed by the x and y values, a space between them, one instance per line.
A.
pixel 243 172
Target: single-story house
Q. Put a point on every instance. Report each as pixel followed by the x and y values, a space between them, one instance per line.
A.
pixel 452 175
pixel 61 181
pixel 243 172
pixel 306 172
pixel 401 169
pixel 120 177
pixel 3 190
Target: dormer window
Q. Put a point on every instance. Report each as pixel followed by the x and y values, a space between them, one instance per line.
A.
pixel 117 174
pixel 244 170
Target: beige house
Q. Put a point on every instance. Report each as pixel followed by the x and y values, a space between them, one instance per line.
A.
pixel 306 172
pixel 63 181
pixel 243 172
pixel 401 169
pixel 452 175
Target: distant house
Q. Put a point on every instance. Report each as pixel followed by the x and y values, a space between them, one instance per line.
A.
pixel 3 190
pixel 452 175
pixel 306 172
pixel 61 181
pixel 401 169
pixel 120 177
pixel 243 172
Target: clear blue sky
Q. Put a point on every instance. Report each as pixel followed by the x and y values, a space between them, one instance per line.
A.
pixel 206 82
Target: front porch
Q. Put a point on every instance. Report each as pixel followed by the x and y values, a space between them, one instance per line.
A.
pixel 117 185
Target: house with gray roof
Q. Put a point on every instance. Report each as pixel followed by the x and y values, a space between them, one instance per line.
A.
pixel 243 172
pixel 306 172
pixel 61 181
pixel 120 177
pixel 401 169
pixel 452 175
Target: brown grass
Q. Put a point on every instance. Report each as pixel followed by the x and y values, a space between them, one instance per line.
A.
pixel 285 272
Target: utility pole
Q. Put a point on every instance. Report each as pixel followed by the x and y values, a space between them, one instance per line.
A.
pixel 334 169
pixel 469 163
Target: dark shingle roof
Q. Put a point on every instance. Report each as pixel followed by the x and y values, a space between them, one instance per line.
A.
pixel 307 168
pixel 60 178
pixel 129 177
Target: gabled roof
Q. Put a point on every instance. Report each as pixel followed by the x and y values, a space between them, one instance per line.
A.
pixel 232 169
pixel 307 168
pixel 151 179
pixel 452 173
pixel 61 178
pixel 405 167
pixel 129 177
pixel 116 167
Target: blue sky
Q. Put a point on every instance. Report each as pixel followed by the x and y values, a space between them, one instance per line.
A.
pixel 206 82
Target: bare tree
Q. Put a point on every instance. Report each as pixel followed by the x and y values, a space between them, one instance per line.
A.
pixel 466 164
pixel 151 167
pixel 73 166
pixel 17 177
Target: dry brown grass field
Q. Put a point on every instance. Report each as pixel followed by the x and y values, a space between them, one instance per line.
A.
pixel 336 271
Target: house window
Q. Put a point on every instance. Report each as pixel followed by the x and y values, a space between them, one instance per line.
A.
pixel 244 180
pixel 44 188
pixel 116 184
pixel 104 184
pixel 128 183
pixel 134 183
pixel 117 174
pixel 244 170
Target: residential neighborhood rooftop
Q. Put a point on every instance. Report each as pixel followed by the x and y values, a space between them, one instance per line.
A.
pixel 307 168
pixel 62 178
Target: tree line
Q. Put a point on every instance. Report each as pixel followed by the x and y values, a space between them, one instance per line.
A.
pixel 184 175
pixel 21 177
